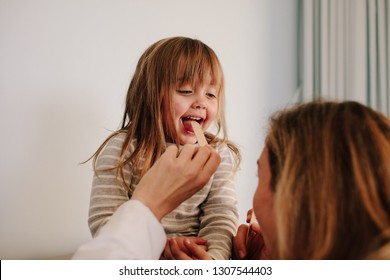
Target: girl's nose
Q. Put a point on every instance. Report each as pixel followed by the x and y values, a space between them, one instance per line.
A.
pixel 200 103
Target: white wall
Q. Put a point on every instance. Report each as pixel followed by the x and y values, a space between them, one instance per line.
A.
pixel 64 70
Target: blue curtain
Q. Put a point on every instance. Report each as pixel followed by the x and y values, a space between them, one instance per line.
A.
pixel 344 51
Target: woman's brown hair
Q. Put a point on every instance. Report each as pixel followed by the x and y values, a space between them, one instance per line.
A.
pixel 330 166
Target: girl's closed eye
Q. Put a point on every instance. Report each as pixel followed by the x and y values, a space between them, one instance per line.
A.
pixel 211 95
pixel 184 91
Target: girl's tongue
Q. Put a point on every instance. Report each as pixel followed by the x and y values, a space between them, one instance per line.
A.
pixel 187 125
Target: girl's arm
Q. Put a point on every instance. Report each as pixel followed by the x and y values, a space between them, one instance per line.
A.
pixel 133 232
pixel 108 192
pixel 218 224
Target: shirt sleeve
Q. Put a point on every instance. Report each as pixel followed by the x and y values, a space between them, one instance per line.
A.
pixel 108 191
pixel 219 219
pixel 133 232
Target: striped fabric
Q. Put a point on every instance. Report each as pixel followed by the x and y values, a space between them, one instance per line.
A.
pixel 211 213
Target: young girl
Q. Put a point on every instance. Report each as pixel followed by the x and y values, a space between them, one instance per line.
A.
pixel 177 80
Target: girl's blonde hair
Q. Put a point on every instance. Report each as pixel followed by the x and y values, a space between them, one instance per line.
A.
pixel 330 167
pixel 149 100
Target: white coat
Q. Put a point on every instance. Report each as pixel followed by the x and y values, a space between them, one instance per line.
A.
pixel 132 232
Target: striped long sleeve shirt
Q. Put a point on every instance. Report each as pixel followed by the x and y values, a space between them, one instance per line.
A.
pixel 211 213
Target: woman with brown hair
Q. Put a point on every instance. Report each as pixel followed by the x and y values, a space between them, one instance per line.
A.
pixel 324 186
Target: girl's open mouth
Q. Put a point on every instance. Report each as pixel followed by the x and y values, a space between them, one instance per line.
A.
pixel 186 121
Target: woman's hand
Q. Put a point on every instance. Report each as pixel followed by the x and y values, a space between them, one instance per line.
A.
pixel 176 176
pixel 196 252
pixel 186 249
pixel 248 243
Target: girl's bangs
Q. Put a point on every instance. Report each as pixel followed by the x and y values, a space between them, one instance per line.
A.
pixel 199 67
